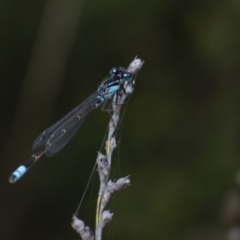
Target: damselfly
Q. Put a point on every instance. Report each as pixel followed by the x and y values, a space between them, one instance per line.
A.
pixel 54 138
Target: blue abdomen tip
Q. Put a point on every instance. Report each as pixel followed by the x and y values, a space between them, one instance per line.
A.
pixel 17 174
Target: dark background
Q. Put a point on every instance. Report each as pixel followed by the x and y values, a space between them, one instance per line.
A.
pixel 180 138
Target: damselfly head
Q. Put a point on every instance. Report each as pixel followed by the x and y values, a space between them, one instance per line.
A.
pixel 127 76
pixel 114 71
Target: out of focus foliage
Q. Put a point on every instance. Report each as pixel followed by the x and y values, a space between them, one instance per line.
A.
pixel 180 136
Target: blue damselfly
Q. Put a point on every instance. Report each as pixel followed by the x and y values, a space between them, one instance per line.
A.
pixel 54 138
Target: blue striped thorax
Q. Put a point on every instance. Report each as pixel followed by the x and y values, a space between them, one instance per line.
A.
pixel 110 86
pixel 107 89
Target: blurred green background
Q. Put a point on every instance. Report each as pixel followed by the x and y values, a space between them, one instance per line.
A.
pixel 180 138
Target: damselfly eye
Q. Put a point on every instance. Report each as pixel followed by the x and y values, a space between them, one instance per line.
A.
pixel 114 71
pixel 127 76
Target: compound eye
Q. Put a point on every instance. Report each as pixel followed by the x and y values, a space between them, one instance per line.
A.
pixel 128 76
pixel 114 71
